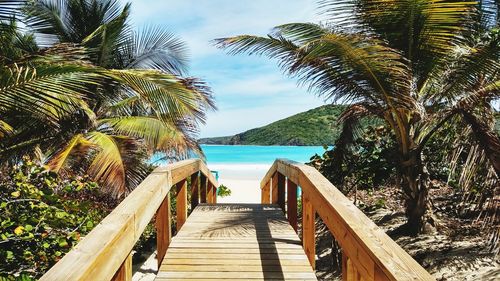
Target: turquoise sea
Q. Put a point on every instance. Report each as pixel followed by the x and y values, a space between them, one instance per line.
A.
pixel 254 154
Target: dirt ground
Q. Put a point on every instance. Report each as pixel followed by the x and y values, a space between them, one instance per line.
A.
pixel 459 248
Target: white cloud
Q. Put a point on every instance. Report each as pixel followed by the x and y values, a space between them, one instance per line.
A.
pixel 250 91
pixel 200 21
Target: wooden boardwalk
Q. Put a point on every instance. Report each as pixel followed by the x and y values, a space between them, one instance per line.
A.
pixel 236 242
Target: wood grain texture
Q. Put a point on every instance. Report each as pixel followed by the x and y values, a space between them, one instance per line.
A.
pixel 265 195
pixel 203 188
pixel 291 202
pixel 274 189
pixel 195 190
pixel 101 252
pixel 370 249
pixel 308 229
pixel 181 203
pixel 124 273
pixel 281 191
pixel 236 242
pixel 163 229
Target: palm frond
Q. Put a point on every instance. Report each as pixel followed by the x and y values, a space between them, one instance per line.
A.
pixel 486 137
pixel 60 159
pixel 152 48
pixel 158 135
pixel 107 166
pixel 10 8
pixel 169 97
pixel 49 90
pixel 350 120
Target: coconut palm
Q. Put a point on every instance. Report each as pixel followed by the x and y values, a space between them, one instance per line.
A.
pixel 416 64
pixel 137 104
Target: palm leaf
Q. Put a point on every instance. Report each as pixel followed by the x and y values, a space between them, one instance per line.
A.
pixel 152 48
pixel 49 90
pixel 169 97
pixel 107 166
pixel 61 158
pixel 158 135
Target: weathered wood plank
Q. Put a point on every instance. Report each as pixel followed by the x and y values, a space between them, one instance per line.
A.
pixel 203 188
pixel 124 273
pixel 195 190
pixel 101 252
pixel 237 241
pixel 274 189
pixel 308 229
pixel 163 229
pixel 281 191
pixel 291 210
pixel 368 247
pixel 265 195
pixel 181 204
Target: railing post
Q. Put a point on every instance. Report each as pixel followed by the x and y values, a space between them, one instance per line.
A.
pixel 203 188
pixel 274 188
pixel 308 229
pixel 214 195
pixel 195 190
pixel 124 273
pixel 291 210
pixel 281 191
pixel 210 194
pixel 181 205
pixel 265 195
pixel 163 229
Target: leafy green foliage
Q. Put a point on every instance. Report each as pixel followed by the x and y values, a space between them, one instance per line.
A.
pixel 223 191
pixel 43 217
pixel 313 127
pixel 369 163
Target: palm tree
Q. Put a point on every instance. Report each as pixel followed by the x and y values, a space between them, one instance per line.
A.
pixel 137 104
pixel 416 64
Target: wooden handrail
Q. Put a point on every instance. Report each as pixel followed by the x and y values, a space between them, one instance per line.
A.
pixel 105 252
pixel 368 253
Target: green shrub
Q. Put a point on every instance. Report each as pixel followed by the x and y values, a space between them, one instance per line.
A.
pixel 223 191
pixel 43 217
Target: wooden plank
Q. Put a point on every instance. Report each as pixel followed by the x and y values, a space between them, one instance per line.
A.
pixel 231 267
pixel 308 229
pixel 203 188
pixel 226 261
pixel 236 275
pixel 181 204
pixel 368 246
pixel 265 195
pixel 236 241
pixel 292 204
pixel 100 253
pixel 163 229
pixel 214 195
pixel 195 190
pixel 240 255
pixel 124 273
pixel 210 193
pixel 281 191
pixel 274 189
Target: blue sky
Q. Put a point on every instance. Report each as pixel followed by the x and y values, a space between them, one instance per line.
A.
pixel 250 91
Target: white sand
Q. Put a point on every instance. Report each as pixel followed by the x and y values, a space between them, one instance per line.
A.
pixel 242 179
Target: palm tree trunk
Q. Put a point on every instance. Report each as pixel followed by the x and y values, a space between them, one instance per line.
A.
pixel 415 184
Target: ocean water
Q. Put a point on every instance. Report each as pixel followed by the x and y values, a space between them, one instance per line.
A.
pixel 255 154
pixel 240 166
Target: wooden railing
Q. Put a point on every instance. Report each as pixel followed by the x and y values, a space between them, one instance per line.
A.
pixel 105 253
pixel 367 252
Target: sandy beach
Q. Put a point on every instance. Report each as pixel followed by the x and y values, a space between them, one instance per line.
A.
pixel 242 179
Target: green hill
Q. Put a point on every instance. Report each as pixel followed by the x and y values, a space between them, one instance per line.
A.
pixel 313 127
